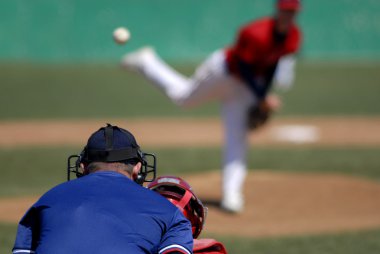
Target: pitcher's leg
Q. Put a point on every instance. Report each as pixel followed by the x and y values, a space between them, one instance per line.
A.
pixel 153 68
pixel 206 83
pixel 234 113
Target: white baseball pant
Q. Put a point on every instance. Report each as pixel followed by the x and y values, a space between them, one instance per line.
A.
pixel 212 81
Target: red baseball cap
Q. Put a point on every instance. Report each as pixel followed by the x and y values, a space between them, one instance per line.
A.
pixel 293 5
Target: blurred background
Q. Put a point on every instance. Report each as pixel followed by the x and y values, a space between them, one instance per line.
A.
pixel 58 62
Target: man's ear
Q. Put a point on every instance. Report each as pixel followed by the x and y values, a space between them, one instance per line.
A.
pixel 84 167
pixel 136 170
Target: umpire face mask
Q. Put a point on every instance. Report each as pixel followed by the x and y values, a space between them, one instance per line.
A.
pixel 113 144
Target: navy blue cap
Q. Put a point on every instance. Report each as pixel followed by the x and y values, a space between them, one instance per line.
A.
pixel 121 139
pixel 111 144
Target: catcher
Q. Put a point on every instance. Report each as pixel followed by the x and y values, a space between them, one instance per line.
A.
pixel 180 193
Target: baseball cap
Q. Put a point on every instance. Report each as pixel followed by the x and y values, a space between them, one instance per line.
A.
pixel 111 144
pixel 289 5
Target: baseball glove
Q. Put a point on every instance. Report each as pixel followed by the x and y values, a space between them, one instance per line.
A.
pixel 258 115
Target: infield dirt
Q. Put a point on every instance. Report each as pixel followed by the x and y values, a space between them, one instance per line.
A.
pixel 276 203
pixel 169 132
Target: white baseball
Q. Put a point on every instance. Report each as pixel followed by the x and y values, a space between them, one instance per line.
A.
pixel 121 35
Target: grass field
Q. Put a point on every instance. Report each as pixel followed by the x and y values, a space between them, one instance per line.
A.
pixel 56 92
pixel 67 91
pixel 345 243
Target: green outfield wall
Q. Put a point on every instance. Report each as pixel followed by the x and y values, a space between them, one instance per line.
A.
pixel 80 30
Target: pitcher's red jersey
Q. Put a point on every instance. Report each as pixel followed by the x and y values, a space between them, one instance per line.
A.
pixel 257 46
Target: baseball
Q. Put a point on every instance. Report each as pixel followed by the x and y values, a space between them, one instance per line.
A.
pixel 121 35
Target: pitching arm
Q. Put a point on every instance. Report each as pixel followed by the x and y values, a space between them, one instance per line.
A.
pixel 284 74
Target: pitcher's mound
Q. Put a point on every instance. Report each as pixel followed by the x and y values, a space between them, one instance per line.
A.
pixel 292 203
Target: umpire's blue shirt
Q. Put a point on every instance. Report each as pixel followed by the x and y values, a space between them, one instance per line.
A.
pixel 104 212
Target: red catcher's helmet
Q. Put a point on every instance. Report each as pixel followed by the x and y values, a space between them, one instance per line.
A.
pixel 294 5
pixel 179 192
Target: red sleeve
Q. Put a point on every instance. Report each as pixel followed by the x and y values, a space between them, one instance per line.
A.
pixel 245 45
pixel 294 42
pixel 208 246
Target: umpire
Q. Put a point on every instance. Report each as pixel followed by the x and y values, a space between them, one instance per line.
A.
pixel 105 210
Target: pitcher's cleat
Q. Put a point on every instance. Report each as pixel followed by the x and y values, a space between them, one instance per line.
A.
pixel 136 60
pixel 232 203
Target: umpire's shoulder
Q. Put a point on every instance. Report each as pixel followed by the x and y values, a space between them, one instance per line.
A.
pixel 157 199
pixel 60 192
